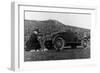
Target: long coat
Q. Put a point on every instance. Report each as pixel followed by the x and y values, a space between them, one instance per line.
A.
pixel 33 43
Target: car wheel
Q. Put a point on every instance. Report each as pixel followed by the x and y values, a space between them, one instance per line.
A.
pixel 59 43
pixel 84 43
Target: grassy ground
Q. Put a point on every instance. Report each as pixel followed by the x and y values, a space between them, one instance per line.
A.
pixel 78 53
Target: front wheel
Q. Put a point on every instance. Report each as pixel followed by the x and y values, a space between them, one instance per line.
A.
pixel 84 43
pixel 59 43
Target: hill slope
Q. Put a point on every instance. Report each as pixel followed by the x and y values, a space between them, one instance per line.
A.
pixel 48 26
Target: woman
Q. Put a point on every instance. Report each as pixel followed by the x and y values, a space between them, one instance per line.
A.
pixel 33 42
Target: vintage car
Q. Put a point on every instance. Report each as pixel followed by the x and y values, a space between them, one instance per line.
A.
pixel 58 40
pixel 61 40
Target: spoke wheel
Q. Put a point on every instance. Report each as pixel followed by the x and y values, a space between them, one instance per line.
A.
pixel 84 43
pixel 59 43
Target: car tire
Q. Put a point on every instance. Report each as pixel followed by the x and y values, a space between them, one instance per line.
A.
pixel 59 43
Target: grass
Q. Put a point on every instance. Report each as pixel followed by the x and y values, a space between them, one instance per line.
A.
pixel 78 53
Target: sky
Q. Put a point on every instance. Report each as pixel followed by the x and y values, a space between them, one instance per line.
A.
pixel 73 19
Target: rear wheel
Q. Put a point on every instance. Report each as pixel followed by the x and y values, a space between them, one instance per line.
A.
pixel 48 44
pixel 59 43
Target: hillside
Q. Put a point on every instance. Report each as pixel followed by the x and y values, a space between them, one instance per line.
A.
pixel 48 26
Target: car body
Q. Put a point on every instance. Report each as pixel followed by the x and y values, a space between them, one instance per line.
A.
pixel 62 39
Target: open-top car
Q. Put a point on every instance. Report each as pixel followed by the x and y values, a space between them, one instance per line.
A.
pixel 56 40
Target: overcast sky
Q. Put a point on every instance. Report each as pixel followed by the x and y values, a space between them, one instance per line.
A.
pixel 80 20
